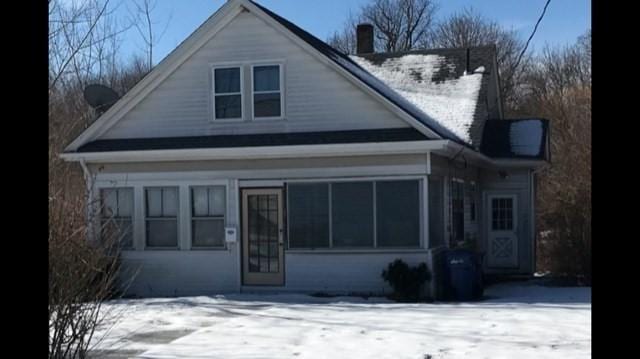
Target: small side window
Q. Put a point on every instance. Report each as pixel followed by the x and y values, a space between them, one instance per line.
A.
pixel 267 92
pixel 227 93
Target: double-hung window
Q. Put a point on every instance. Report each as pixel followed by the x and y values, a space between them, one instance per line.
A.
pixel 267 92
pixel 117 215
pixel 363 214
pixel 161 217
pixel 227 93
pixel 208 204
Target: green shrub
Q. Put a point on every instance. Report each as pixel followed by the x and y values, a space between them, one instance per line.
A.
pixel 406 281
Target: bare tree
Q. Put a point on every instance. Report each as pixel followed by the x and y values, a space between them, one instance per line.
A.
pixel 141 16
pixel 468 28
pixel 558 87
pixel 83 40
pixel 400 25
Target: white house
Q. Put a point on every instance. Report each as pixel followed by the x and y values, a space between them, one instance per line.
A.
pixel 256 156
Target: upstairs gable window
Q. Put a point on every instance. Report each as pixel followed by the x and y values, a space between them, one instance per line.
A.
pixel 227 97
pixel 267 92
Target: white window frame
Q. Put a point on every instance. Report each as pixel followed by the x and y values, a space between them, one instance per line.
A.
pixel 147 218
pixel 192 217
pixel 215 67
pixel 281 91
pixel 422 240
pixel 132 217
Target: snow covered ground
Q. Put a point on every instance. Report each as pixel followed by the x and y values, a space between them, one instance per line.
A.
pixel 517 320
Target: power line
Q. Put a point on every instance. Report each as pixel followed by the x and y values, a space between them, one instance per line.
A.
pixel 532 33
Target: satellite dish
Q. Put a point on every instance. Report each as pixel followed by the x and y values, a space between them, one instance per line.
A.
pixel 100 97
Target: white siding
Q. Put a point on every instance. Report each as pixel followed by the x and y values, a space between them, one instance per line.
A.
pixel 317 98
pixel 194 272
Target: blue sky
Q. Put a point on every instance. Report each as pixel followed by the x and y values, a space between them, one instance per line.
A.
pixel 564 21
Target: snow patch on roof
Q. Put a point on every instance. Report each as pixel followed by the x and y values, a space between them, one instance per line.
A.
pixel 451 103
pixel 526 137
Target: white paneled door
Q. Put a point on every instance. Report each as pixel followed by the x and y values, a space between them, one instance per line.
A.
pixel 502 231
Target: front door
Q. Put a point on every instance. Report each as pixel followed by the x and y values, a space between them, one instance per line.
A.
pixel 503 229
pixel 262 242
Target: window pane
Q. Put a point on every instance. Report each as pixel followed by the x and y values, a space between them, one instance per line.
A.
pixel 217 201
pixel 266 78
pixel 162 233
pixel 125 202
pixel 125 229
pixel 308 215
pixel 398 213
pixel 352 214
pixel 228 106
pixel 109 202
pixel 154 202
pixel 266 105
pixel 169 202
pixel 200 201
pixel 208 232
pixel 436 212
pixel 227 80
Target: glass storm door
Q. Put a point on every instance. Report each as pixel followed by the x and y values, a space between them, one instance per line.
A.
pixel 503 229
pixel 262 242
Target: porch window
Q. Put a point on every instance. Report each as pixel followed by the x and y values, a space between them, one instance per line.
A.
pixel 371 214
pixel 457 211
pixel 398 213
pixel 117 215
pixel 267 93
pixel 308 218
pixel 208 208
pixel 161 208
pixel 352 214
pixel 227 93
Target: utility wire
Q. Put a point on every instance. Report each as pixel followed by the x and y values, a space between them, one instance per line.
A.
pixel 532 33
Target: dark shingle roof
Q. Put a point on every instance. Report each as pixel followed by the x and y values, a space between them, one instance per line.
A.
pixel 521 139
pixel 254 140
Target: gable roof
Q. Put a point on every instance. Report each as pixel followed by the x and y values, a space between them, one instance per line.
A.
pixel 517 139
pixel 373 82
pixel 419 115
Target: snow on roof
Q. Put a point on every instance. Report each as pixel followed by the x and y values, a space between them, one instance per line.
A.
pixel 450 102
pixel 526 137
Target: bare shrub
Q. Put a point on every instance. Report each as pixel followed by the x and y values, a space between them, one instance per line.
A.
pixel 82 275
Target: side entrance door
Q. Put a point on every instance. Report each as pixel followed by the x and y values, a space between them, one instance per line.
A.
pixel 502 231
pixel 262 242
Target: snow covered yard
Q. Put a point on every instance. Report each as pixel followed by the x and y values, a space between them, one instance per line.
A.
pixel 523 320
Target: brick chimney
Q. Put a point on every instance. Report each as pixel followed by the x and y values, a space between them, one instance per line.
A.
pixel 364 39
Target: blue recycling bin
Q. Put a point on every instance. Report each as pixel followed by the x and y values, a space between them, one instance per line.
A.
pixel 463 275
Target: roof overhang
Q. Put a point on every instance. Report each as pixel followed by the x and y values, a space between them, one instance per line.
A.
pixel 446 148
pixel 260 152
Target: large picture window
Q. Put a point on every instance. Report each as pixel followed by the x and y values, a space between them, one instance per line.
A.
pixel 371 214
pixel 117 215
pixel 227 93
pixel 308 217
pixel 267 92
pixel 208 208
pixel 398 213
pixel 161 208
